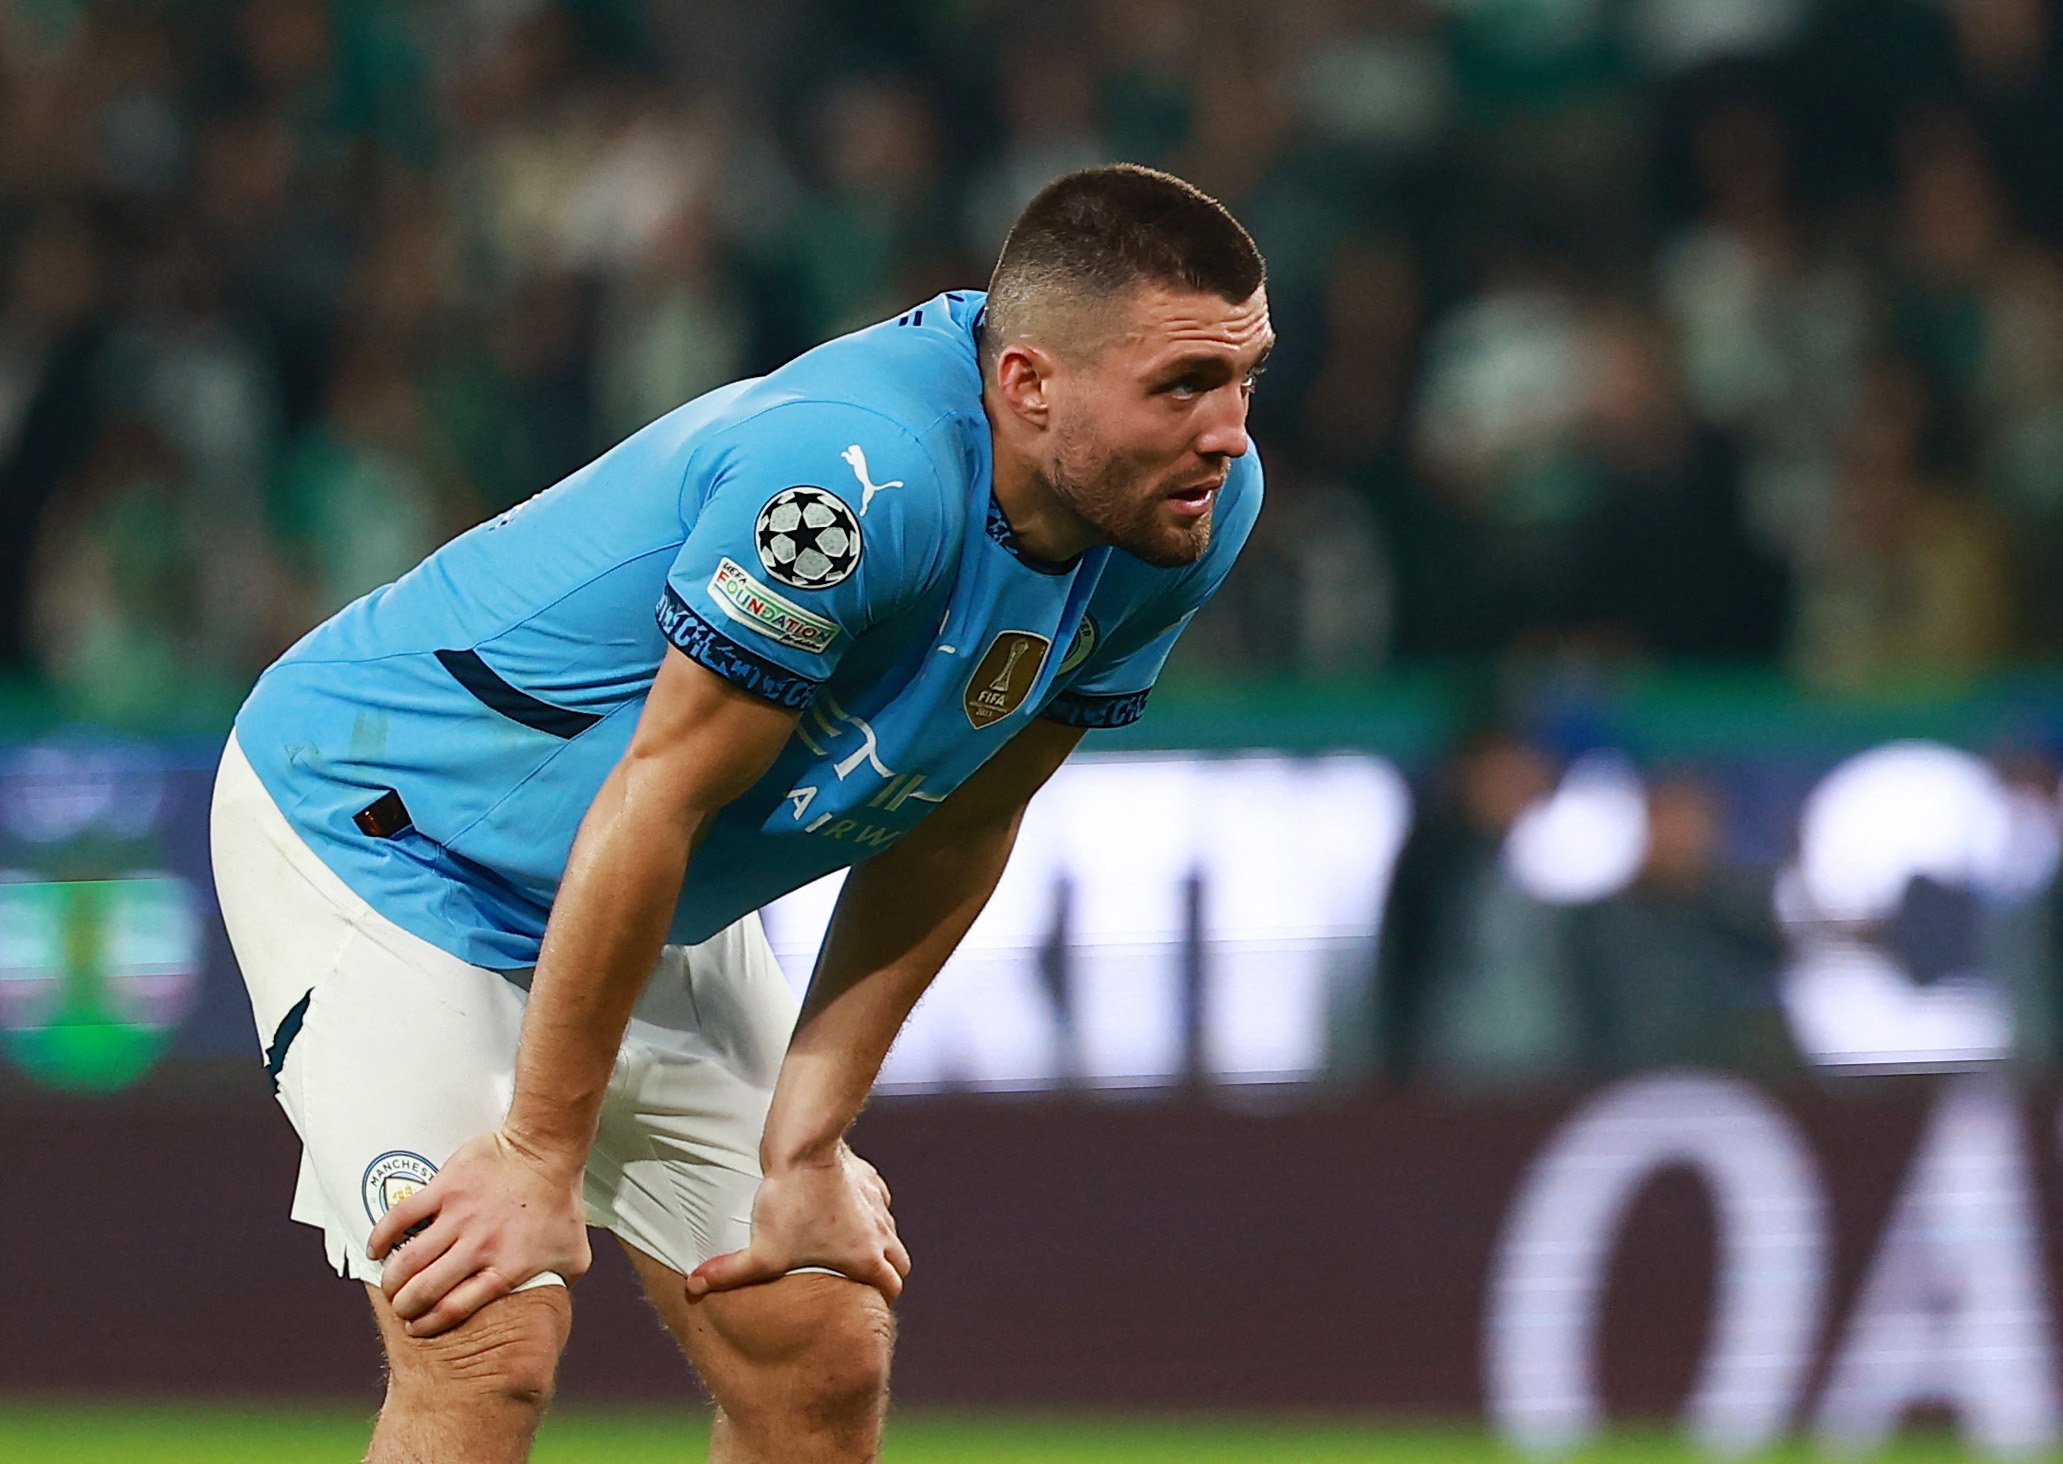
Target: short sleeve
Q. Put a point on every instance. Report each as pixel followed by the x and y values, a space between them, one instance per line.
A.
pixel 811 523
pixel 1112 689
pixel 1115 666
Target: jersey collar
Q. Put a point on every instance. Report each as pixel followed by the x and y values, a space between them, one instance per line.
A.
pixel 1000 530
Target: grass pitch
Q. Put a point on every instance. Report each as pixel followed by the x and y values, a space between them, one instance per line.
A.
pixel 81 1433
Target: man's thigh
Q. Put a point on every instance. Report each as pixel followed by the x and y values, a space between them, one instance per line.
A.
pixel 676 1156
pixel 393 1070
pixel 386 1053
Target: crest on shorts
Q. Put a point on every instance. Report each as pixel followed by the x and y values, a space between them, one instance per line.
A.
pixel 392 1178
pixel 1004 678
pixel 807 538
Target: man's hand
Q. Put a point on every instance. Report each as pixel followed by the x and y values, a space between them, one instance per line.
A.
pixel 496 1215
pixel 833 1215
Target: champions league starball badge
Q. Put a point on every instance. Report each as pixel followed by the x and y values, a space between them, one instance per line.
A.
pixel 808 538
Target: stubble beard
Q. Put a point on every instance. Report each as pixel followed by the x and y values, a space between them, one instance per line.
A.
pixel 1105 490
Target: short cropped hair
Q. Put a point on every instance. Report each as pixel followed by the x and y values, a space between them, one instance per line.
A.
pixel 1098 233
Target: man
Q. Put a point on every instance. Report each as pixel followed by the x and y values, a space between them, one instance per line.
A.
pixel 894 581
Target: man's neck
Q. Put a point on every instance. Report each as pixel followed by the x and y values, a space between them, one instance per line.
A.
pixel 1044 525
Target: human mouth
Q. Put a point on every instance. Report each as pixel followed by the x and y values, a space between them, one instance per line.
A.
pixel 1195 501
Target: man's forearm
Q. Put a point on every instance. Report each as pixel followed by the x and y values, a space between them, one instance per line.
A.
pixel 605 934
pixel 899 917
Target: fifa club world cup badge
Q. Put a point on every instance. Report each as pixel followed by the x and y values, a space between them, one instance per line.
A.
pixel 1005 676
pixel 392 1178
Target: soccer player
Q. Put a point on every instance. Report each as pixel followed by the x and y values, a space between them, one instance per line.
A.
pixel 491 841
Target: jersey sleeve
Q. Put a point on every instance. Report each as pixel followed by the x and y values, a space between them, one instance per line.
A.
pixel 811 522
pixel 1121 663
pixel 1111 690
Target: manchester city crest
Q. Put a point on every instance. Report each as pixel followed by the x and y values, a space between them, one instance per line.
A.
pixel 392 1178
pixel 808 538
pixel 1078 649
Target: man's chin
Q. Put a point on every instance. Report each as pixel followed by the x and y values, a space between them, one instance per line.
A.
pixel 1166 546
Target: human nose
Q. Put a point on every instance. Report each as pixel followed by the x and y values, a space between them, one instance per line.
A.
pixel 1224 434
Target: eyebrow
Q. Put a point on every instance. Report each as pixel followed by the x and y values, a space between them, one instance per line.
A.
pixel 1209 365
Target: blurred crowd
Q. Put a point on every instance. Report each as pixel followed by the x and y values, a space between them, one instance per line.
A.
pixel 1560 909
pixel 1495 969
pixel 1709 329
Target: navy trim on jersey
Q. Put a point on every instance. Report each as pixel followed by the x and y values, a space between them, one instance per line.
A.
pixel 1083 709
pixel 283 1037
pixel 476 676
pixel 707 646
pixel 1002 533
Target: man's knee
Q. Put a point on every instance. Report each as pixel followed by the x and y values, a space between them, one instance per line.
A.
pixel 507 1351
pixel 844 1369
pixel 817 1346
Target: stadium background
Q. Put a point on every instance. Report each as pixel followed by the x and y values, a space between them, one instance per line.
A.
pixel 1575 936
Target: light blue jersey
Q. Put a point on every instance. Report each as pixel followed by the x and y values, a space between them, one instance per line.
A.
pixel 824 537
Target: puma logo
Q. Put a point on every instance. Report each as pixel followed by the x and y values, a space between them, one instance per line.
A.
pixel 856 459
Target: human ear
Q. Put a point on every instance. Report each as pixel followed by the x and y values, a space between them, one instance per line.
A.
pixel 1024 379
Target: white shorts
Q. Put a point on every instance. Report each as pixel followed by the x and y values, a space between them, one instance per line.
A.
pixel 389 1053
